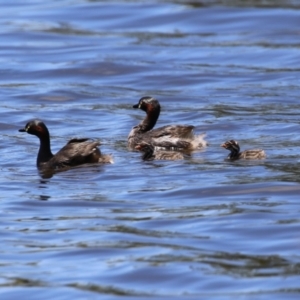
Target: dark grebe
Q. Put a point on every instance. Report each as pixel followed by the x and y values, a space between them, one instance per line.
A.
pixel 74 153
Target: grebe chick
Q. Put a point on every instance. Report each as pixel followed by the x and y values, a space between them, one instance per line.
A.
pixel 235 153
pixel 150 153
pixel 74 153
pixel 173 137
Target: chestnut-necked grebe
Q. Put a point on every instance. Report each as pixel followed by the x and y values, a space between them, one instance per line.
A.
pixel 174 137
pixel 74 153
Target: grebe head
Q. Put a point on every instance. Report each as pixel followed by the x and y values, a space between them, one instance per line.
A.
pixel 36 127
pixel 231 145
pixel 147 104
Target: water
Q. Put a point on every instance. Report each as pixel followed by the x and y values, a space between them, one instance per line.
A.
pixel 202 228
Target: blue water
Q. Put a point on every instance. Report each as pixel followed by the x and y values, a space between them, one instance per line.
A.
pixel 201 228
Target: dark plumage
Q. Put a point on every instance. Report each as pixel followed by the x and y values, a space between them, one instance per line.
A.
pixel 235 153
pixel 74 153
pixel 174 137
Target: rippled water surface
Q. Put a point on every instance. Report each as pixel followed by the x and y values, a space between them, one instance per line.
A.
pixel 201 228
